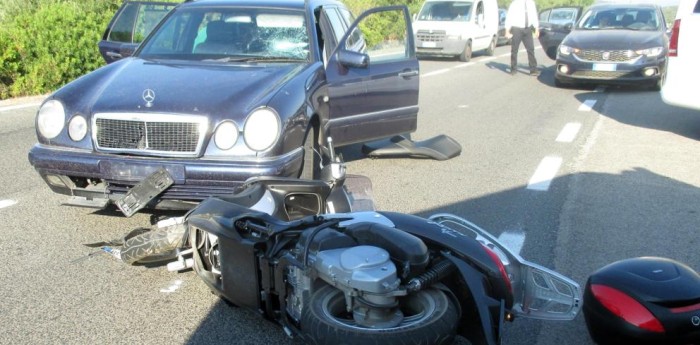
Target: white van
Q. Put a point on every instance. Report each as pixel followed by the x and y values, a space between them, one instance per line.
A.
pixel 456 28
pixel 679 86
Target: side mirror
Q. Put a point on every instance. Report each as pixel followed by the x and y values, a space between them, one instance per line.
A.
pixel 415 15
pixel 353 59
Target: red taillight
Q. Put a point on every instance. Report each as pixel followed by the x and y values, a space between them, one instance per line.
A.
pixel 673 44
pixel 501 268
pixel 626 308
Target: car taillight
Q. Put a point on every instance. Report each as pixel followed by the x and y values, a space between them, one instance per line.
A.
pixel 501 268
pixel 673 44
pixel 626 308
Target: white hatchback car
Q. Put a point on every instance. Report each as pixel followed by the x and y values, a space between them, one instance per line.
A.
pixel 682 73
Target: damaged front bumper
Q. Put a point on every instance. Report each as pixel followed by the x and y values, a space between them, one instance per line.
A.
pixel 96 180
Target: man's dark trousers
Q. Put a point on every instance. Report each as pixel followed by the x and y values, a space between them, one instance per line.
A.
pixel 524 35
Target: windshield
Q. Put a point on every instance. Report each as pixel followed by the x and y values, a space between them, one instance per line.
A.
pixel 630 18
pixel 230 34
pixel 445 11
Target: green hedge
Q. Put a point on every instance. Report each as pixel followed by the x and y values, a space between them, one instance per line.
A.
pixel 50 44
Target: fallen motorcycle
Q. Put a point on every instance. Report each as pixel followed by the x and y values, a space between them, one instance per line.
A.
pixel 299 253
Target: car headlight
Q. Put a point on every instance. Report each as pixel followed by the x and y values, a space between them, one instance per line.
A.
pixel 652 52
pixel 261 129
pixel 77 128
pixel 226 135
pixel 565 50
pixel 454 37
pixel 51 119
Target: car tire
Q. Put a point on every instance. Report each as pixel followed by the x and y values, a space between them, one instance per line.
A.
pixel 311 169
pixel 467 53
pixel 492 47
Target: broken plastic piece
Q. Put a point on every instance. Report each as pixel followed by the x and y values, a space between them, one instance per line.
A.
pixel 440 147
pixel 141 194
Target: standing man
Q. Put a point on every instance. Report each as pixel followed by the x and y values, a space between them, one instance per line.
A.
pixel 521 24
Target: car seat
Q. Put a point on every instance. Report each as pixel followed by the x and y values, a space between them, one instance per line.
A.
pixel 221 39
pixel 627 19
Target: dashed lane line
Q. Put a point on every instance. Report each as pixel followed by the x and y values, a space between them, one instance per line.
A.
pixel 19 106
pixel 514 240
pixel 440 71
pixel 545 173
pixel 7 203
pixel 569 132
pixel 587 105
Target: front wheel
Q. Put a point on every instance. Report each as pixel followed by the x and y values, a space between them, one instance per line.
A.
pixel 492 47
pixel 429 317
pixel 466 53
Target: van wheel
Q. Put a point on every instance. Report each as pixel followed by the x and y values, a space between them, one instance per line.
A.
pixel 492 47
pixel 467 53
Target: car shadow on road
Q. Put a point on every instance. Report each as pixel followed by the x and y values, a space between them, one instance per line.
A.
pixel 651 111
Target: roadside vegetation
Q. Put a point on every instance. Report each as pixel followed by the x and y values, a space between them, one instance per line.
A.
pixel 47 43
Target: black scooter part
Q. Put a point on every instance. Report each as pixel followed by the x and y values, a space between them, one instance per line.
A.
pixel 667 289
pixel 440 148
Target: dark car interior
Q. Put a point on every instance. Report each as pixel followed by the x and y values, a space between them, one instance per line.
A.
pixel 633 18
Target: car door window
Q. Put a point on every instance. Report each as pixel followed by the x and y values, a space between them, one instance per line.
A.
pixel 544 16
pixel 333 30
pixel 562 16
pixel 386 45
pixel 136 21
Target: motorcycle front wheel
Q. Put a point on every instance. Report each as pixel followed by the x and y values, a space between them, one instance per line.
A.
pixel 430 317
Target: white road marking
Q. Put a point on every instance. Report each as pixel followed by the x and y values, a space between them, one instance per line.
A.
pixel 462 106
pixel 514 240
pixel 19 106
pixel 545 173
pixel 7 203
pixel 172 288
pixel 440 71
pixel 587 105
pixel 465 65
pixel 600 89
pixel 569 132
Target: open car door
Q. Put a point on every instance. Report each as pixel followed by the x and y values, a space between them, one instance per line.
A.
pixel 373 78
pixel 130 25
pixel 555 24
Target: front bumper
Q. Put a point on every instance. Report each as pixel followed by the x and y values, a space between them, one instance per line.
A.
pixel 569 69
pixel 93 175
pixel 440 48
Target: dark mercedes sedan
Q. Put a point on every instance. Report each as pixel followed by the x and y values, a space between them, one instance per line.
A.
pixel 224 90
pixel 614 44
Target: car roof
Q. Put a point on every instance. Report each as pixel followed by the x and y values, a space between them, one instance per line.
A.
pixel 294 4
pixel 606 5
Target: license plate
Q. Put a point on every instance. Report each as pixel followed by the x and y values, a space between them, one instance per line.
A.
pixel 606 67
pixel 145 191
pixel 429 44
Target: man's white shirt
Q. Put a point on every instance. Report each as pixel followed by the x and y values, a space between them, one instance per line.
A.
pixel 516 14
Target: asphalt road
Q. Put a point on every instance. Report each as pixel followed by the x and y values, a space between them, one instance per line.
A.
pixel 576 179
